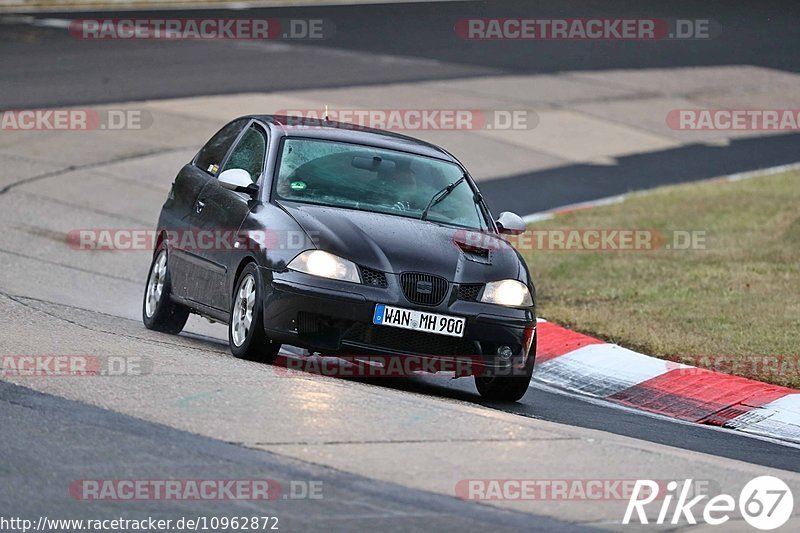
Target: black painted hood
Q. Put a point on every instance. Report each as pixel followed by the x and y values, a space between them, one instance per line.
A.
pixel 398 244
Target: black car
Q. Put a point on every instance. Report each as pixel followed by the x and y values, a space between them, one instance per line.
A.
pixel 343 240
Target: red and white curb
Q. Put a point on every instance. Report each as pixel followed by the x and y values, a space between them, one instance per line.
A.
pixel 571 361
pixel 580 364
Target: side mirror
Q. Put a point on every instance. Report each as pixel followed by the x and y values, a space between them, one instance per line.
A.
pixel 510 223
pixel 237 179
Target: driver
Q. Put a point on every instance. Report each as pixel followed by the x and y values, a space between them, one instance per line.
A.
pixel 404 183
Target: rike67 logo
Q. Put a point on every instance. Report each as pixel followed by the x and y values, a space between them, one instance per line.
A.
pixel 765 503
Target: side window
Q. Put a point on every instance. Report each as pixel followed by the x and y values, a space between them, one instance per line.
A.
pixel 249 153
pixel 211 155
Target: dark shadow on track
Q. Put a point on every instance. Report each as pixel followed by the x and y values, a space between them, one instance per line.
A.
pixel 90 72
pixel 571 184
pixel 754 33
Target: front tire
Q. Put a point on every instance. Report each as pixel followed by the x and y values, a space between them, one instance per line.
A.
pixel 504 388
pixel 246 335
pixel 159 312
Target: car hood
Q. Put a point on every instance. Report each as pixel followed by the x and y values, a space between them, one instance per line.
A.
pixel 398 244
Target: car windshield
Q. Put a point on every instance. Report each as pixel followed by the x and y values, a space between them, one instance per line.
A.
pixel 375 179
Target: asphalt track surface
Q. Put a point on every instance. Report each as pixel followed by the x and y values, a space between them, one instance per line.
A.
pixel 42 66
pixel 52 438
pixel 51 68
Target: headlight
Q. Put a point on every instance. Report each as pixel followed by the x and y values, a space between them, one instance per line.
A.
pixel 325 265
pixel 508 292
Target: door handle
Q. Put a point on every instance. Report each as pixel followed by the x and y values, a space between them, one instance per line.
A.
pixel 200 205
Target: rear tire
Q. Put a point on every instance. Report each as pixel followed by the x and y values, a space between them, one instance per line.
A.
pixel 159 312
pixel 246 335
pixel 507 389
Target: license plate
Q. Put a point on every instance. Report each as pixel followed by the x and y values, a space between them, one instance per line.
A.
pixel 397 317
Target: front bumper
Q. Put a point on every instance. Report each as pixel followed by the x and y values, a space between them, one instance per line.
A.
pixel 335 317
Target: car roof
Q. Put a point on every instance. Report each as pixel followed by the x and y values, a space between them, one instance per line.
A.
pixel 284 126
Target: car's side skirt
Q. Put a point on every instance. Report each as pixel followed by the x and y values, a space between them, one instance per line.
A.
pixel 203 310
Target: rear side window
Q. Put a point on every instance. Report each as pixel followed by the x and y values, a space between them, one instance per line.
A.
pixel 211 155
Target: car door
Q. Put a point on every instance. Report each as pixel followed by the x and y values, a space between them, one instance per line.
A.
pixel 181 207
pixel 220 213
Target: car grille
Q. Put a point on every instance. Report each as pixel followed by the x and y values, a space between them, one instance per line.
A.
pixel 415 342
pixel 374 278
pixel 469 291
pixel 423 289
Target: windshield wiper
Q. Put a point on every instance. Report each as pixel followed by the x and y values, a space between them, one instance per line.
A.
pixel 441 195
